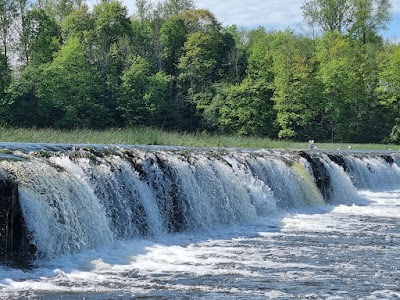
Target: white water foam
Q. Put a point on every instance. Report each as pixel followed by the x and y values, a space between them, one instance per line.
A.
pixel 373 172
pixel 256 227
pixel 324 253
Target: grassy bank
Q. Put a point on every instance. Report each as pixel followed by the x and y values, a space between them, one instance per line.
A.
pixel 148 136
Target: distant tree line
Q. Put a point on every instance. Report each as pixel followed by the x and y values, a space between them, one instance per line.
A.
pixel 173 66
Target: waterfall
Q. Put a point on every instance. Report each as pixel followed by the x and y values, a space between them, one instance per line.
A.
pixel 75 198
pixel 373 171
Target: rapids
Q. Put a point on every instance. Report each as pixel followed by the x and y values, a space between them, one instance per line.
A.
pixel 118 222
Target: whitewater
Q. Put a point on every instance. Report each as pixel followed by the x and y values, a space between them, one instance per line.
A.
pixel 179 223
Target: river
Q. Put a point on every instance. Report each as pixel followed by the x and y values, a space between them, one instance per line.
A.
pixel 348 248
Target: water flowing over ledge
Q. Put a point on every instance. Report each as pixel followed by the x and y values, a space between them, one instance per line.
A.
pixel 59 199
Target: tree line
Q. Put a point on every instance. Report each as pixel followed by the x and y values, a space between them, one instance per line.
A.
pixel 66 65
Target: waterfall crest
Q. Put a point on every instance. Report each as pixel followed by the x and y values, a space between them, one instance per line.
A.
pixel 74 198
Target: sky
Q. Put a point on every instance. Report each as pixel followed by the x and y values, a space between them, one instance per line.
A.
pixel 271 14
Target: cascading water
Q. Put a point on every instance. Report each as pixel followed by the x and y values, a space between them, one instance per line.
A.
pixel 78 198
pixel 373 171
pixel 82 198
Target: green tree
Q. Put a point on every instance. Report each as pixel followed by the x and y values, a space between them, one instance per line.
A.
pixel 111 23
pixel 173 37
pixel 78 23
pixel 5 80
pixel 389 86
pixel 201 20
pixel 175 7
pixel 298 90
pixel 369 17
pixel 157 100
pixel 237 55
pixel 198 65
pixel 147 24
pixel 5 77
pixel 23 7
pixel 68 90
pixel 327 14
pixel 142 27
pixel 341 71
pixel 248 109
pixel 59 9
pixel 374 120
pixel 20 106
pixel 8 13
pixel 110 39
pixel 248 106
pixel 144 96
pixel 359 18
pixel 41 37
pixel 202 65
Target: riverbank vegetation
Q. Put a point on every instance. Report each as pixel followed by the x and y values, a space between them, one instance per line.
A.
pixel 173 66
pixel 150 136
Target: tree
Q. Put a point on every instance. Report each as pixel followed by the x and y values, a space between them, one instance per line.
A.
pixel 110 39
pixel 198 64
pixel 200 20
pixel 327 14
pixel 22 46
pixel 202 65
pixel 248 109
pixel 78 23
pixel 8 12
pixel 369 17
pixel 237 59
pixel 5 77
pixel 20 106
pixel 59 9
pixel 173 37
pixel 157 100
pixel 144 96
pixel 146 26
pixel 111 23
pixel 374 120
pixel 298 90
pixel 344 89
pixel 389 86
pixel 248 106
pixel 68 90
pixel 41 36
pixel 175 7
pixel 359 18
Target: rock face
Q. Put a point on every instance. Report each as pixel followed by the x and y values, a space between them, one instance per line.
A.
pixel 14 241
pixel 321 175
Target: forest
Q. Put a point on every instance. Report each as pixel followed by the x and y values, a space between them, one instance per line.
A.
pixel 66 64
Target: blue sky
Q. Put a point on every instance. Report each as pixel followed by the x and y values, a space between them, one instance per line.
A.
pixel 272 14
pixel 275 14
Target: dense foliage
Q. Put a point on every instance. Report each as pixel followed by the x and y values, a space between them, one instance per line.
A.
pixel 173 66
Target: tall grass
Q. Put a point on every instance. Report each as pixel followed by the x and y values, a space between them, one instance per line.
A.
pixel 149 136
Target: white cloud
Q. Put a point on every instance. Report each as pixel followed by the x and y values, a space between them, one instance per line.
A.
pixel 251 13
pixel 396 6
pixel 272 14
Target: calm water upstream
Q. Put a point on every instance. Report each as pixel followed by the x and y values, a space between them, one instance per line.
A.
pixel 325 252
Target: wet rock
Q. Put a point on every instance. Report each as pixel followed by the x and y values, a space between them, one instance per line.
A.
pixel 321 175
pixel 15 245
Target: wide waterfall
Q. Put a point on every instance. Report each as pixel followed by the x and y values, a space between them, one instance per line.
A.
pixel 58 200
pixel 124 222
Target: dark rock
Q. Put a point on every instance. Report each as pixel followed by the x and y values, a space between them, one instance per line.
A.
pixel 321 175
pixel 339 160
pixel 15 246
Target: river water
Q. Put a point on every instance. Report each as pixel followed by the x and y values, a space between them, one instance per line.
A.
pixel 342 251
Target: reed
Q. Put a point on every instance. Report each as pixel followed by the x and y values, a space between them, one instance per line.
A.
pixel 151 136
